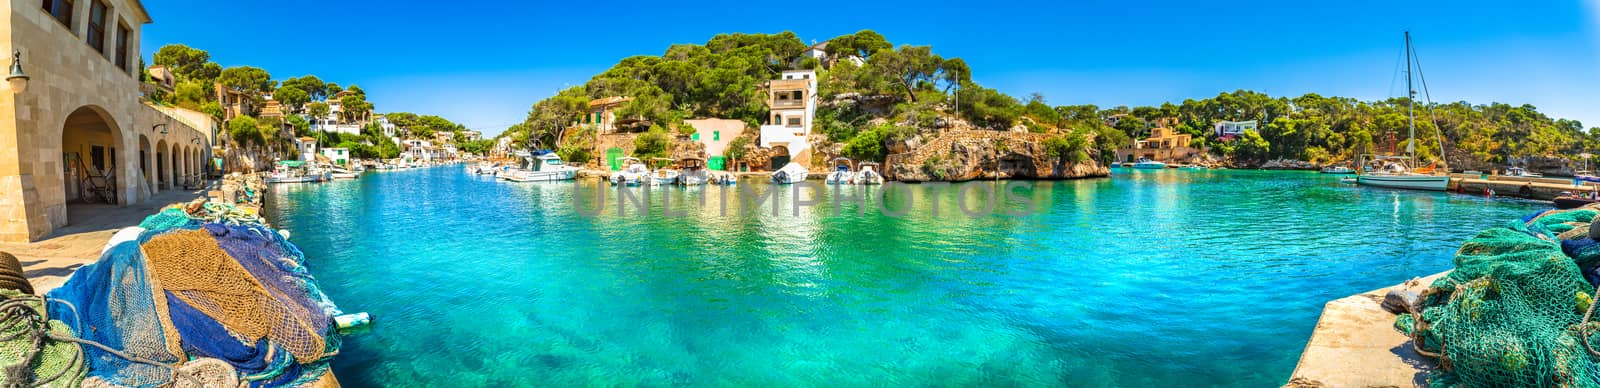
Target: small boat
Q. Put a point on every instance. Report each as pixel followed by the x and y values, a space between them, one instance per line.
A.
pixel 1570 201
pixel 633 172
pixel 339 173
pixel 692 172
pixel 1338 170
pixel 1147 164
pixel 1519 172
pixel 790 173
pixel 293 171
pixel 722 178
pixel 663 174
pixel 841 174
pixel 867 175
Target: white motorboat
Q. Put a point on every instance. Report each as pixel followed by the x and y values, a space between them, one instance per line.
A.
pixel 1338 170
pixel 1520 172
pixel 1147 164
pixel 841 174
pixel 692 172
pixel 790 173
pixel 293 171
pixel 546 167
pixel 633 172
pixel 867 175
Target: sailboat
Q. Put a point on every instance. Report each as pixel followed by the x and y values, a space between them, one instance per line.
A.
pixel 1401 172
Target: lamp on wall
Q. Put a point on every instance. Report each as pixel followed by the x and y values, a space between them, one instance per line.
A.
pixel 162 126
pixel 17 79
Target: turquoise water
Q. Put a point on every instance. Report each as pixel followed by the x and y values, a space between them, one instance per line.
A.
pixel 1150 278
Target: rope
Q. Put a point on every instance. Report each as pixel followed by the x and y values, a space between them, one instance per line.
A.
pixel 1420 324
pixel 1584 327
pixel 16 311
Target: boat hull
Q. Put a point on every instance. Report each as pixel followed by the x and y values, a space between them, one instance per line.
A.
pixel 1409 182
pixel 1149 166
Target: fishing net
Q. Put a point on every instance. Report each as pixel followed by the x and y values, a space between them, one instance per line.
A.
pixel 203 283
pixel 1510 313
pixel 28 354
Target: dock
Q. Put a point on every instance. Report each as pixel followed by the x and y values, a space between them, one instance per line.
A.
pixel 1355 345
pixel 1543 189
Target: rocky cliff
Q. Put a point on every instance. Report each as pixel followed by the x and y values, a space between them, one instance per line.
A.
pixel 963 155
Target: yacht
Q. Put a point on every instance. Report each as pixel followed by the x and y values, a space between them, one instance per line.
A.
pixel 632 174
pixel 867 175
pixel 790 173
pixel 1147 164
pixel 1401 172
pixel 546 167
pixel 841 174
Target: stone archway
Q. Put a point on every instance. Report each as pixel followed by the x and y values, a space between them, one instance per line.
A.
pixel 177 166
pixel 163 170
pixel 780 157
pixel 90 142
pixel 146 160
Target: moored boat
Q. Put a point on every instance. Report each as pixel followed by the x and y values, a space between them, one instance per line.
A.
pixel 1341 169
pixel 1519 172
pixel 544 167
pixel 633 172
pixel 1147 164
pixel 692 172
pixel 867 175
pixel 790 173
pixel 841 172
pixel 1401 172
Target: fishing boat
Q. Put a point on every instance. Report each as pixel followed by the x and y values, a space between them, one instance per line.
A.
pixel 633 172
pixel 1338 170
pixel 841 172
pixel 1402 172
pixel 339 173
pixel 790 173
pixel 663 175
pixel 1147 164
pixel 546 167
pixel 1519 172
pixel 292 171
pixel 867 175
pixel 692 172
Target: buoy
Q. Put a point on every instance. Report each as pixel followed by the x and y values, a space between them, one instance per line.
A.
pixel 284 233
pixel 351 321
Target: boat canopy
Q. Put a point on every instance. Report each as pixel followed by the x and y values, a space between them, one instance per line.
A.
pixel 291 163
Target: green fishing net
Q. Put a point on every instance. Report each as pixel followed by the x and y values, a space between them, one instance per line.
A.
pixel 1510 312
pixel 28 356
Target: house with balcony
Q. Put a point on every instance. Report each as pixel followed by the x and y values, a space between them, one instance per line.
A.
pixel 1164 145
pixel 339 156
pixel 792 102
pixel 162 78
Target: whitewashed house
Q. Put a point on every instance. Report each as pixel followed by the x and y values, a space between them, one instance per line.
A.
pixel 792 100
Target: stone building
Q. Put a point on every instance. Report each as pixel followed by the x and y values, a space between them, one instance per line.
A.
pixel 78 128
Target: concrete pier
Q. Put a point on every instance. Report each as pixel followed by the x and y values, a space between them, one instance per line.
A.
pixel 1355 345
pixel 1543 189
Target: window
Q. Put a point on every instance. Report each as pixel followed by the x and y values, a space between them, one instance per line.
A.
pixel 807 76
pixel 777 119
pixel 794 121
pixel 796 95
pixel 61 9
pixel 97 26
pixel 716 135
pixel 783 96
pixel 122 46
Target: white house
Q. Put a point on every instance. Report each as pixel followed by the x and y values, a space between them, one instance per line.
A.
pixel 417 149
pixel 1234 128
pixel 339 156
pixel 793 101
pixel 308 148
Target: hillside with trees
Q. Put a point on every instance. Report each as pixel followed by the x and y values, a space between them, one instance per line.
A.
pixel 300 97
pixel 897 97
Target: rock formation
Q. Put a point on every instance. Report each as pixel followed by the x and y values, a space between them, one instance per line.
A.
pixel 963 155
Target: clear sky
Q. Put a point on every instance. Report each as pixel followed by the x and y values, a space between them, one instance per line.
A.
pixel 483 63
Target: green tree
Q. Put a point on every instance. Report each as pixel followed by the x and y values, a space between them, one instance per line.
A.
pixel 245 131
pixel 652 144
pixel 317 109
pixel 246 78
pixel 187 62
pixel 300 125
pixel 292 97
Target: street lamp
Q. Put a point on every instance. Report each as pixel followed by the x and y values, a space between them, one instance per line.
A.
pixel 17 79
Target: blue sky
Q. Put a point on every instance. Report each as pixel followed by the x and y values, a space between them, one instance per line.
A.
pixel 484 63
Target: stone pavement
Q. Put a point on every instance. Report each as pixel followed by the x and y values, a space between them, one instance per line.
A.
pixel 1355 345
pixel 49 261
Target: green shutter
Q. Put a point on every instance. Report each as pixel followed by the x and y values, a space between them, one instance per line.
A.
pixel 716 135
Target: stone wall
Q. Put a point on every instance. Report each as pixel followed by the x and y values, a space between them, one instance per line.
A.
pixel 71 79
pixel 962 155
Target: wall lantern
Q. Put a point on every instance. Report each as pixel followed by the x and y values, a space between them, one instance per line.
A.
pixel 17 79
pixel 163 128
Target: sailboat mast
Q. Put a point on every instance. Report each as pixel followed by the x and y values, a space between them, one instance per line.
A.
pixel 1411 115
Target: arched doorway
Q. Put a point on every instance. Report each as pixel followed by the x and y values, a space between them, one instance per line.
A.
pixel 162 169
pixel 145 154
pixel 780 157
pixel 89 145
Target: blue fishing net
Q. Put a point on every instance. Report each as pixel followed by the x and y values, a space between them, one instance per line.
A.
pixel 112 301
